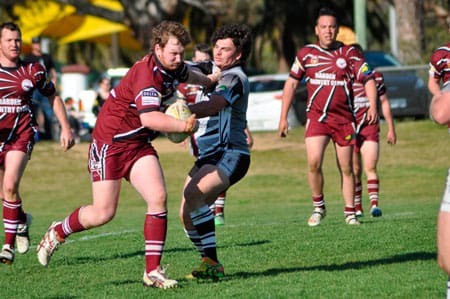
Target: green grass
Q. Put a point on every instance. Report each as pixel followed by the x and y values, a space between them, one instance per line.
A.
pixel 266 246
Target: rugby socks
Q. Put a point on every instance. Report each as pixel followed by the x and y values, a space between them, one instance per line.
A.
pixel 155 231
pixel 358 196
pixel 220 204
pixel 349 211
pixel 11 211
pixel 372 189
pixel 70 225
pixel 318 201
pixel 203 220
pixel 195 239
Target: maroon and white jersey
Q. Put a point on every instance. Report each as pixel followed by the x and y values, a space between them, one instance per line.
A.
pixel 17 85
pixel 440 64
pixel 145 88
pixel 360 99
pixel 329 74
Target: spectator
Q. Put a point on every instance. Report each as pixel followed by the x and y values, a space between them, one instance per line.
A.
pixel 41 106
pixel 104 87
pixel 73 117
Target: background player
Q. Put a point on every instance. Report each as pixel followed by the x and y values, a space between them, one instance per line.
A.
pixel 367 143
pixel 329 68
pixel 18 127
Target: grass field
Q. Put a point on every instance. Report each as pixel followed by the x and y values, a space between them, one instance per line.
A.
pixel 266 246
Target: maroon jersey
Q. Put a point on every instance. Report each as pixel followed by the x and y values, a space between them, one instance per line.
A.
pixel 440 64
pixel 16 89
pixel 329 74
pixel 361 101
pixel 145 87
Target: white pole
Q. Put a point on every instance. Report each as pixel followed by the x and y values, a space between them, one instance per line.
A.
pixel 393 30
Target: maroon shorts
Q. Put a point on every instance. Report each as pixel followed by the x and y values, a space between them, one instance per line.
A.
pixel 367 133
pixel 112 162
pixel 23 142
pixel 341 133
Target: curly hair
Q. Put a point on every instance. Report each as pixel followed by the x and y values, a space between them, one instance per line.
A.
pixel 164 30
pixel 241 36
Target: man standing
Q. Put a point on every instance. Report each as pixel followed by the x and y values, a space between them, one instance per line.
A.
pixel 329 67
pixel 18 80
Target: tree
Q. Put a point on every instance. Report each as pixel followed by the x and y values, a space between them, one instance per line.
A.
pixel 410 30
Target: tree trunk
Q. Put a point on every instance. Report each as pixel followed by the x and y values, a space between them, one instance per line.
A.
pixel 410 30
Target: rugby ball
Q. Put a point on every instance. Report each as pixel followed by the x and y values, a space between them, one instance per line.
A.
pixel 178 110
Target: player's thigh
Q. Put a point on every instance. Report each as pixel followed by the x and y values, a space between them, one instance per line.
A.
pixel 315 149
pixel 206 184
pixel 344 156
pixel 106 196
pixel 147 178
pixel 15 163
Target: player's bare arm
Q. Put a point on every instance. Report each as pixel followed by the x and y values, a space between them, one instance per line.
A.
pixel 286 101
pixel 372 95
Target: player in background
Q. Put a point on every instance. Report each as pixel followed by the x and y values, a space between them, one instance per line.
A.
pixel 329 68
pixel 440 113
pixel 18 81
pixel 121 148
pixel 366 151
pixel 439 72
pixel 191 94
pixel 41 106
pixel 223 153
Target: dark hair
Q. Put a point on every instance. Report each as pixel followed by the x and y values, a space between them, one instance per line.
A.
pixel 166 29
pixel 326 11
pixel 357 47
pixel 203 48
pixel 10 26
pixel 241 36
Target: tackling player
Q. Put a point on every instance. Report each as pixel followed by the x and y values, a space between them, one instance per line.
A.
pixel 191 94
pixel 223 156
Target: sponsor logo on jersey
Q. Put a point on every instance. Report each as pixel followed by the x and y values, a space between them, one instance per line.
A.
pixel 314 59
pixel 365 69
pixel 27 85
pixel 150 97
pixel 341 63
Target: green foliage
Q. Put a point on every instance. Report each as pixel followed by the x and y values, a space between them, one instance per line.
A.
pixel 266 246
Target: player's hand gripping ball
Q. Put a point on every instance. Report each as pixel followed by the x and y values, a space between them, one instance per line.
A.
pixel 179 110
